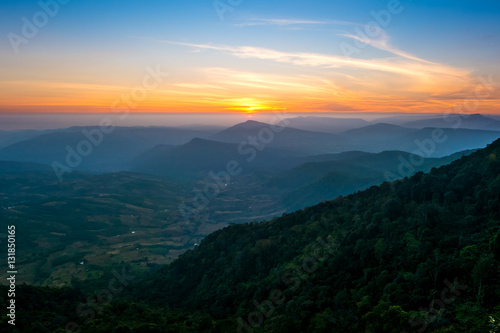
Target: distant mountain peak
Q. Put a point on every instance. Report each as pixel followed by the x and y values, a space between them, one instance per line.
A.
pixel 252 123
pixel 477 116
pixel 196 141
pixel 204 144
pixel 377 126
pixel 199 142
pixel 383 125
pixel 247 125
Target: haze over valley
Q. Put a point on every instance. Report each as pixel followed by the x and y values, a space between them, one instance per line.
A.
pixel 145 195
pixel 232 166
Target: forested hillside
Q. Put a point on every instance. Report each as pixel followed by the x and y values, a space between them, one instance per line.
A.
pixel 363 263
pixel 417 255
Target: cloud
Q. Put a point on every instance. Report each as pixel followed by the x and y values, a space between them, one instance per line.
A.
pixel 400 82
pixel 280 83
pixel 288 22
pixel 382 43
pixel 197 86
pixel 408 65
pixel 333 106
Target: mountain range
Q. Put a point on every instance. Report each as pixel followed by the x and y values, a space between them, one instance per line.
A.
pixel 420 253
pixel 124 147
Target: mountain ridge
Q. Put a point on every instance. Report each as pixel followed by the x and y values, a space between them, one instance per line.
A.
pixel 244 268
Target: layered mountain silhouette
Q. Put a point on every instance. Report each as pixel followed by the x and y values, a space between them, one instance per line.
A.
pixel 198 157
pixel 108 152
pixel 475 121
pixel 386 245
pixel 297 141
pixel 324 124
pixel 125 147
pixel 355 263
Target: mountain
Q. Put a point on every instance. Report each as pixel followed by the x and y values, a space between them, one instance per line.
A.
pixel 422 253
pixel 12 136
pixel 475 121
pixel 430 142
pixel 92 150
pixel 451 140
pixel 313 182
pixel 193 159
pixel 365 262
pixel 87 150
pixel 8 166
pixel 383 129
pixel 296 141
pixel 276 182
pixel 495 117
pixel 197 158
pixel 401 119
pixel 378 137
pixel 324 124
pixel 372 138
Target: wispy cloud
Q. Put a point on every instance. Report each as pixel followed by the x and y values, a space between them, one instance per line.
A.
pixel 400 82
pixel 288 22
pixel 250 90
pixel 280 83
pixel 415 68
pixel 197 86
pixel 382 43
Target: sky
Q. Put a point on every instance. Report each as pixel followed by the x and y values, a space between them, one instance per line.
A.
pixel 249 56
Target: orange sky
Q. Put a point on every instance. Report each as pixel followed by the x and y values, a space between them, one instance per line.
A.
pixel 248 64
pixel 228 90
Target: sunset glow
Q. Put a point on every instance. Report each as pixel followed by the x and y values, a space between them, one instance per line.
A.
pixel 259 58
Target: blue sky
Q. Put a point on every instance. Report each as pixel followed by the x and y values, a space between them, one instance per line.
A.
pixel 263 55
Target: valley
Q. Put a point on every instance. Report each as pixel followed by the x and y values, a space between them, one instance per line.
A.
pixel 168 198
pixel 234 166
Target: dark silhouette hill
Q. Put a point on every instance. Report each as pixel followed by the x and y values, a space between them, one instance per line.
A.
pixel 296 141
pixel 362 262
pixel 421 253
pixel 109 152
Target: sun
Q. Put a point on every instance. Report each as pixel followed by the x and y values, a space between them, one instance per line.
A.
pixel 248 105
